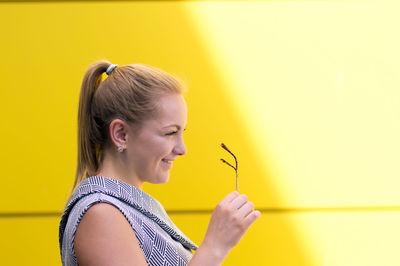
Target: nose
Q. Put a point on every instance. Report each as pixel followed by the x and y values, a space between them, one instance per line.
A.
pixel 180 148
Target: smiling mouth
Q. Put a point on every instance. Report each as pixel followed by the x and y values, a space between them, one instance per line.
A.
pixel 167 161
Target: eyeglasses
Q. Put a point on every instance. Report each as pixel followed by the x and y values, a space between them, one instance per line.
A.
pixel 234 167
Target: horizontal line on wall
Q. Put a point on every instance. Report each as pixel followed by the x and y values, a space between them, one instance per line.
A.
pixel 336 209
pixel 111 1
pixel 29 214
pixel 307 209
pixel 209 211
pixel 90 1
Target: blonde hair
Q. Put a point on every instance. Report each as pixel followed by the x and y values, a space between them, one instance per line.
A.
pixel 129 93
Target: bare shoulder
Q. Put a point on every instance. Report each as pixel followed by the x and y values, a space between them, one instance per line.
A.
pixel 105 237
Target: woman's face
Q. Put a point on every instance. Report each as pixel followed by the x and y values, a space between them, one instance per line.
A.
pixel 153 147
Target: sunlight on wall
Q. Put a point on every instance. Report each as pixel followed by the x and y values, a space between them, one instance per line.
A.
pixel 319 93
pixel 316 85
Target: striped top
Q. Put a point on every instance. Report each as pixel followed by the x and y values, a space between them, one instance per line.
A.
pixel 161 241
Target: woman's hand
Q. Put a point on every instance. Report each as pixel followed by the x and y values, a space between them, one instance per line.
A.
pixel 229 222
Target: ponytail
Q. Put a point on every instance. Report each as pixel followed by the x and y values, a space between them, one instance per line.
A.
pixel 88 132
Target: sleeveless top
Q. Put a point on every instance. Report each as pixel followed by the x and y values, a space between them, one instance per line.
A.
pixel 160 240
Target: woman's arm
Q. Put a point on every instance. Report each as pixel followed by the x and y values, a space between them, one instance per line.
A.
pixel 105 237
pixel 229 222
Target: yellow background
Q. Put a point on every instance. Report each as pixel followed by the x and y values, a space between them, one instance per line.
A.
pixel 305 93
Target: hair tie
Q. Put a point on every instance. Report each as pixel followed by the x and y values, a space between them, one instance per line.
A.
pixel 111 68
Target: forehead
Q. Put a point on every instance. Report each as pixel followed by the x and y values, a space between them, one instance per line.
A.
pixel 172 110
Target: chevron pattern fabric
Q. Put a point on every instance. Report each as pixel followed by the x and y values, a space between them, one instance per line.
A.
pixel 161 241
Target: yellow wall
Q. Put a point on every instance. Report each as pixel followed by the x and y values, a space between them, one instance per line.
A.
pixel 305 93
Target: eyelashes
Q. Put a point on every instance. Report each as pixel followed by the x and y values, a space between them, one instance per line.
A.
pixel 171 133
pixel 174 132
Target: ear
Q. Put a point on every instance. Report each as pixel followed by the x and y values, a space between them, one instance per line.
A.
pixel 118 132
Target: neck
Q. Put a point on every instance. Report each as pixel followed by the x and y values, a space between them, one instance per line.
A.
pixel 114 166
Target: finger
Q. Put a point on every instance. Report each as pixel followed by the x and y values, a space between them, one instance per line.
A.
pixel 231 196
pixel 254 215
pixel 245 210
pixel 239 201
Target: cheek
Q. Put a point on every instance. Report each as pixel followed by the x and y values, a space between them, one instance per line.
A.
pixel 160 148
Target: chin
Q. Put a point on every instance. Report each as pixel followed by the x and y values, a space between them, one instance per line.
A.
pixel 162 179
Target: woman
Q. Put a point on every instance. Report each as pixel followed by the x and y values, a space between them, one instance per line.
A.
pixel 130 130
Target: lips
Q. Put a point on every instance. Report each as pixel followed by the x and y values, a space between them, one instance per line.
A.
pixel 167 161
